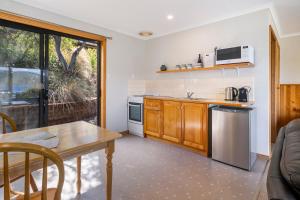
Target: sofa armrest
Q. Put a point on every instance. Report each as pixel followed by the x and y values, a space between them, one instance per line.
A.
pixel 277 187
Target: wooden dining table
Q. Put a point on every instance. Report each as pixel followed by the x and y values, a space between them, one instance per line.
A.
pixel 75 139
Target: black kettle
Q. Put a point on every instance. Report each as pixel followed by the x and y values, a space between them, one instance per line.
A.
pixel 244 94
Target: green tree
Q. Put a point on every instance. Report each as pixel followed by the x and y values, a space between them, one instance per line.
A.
pixel 72 63
pixel 19 48
pixel 72 70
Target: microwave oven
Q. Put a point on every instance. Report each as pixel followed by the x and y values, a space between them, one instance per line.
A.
pixel 240 54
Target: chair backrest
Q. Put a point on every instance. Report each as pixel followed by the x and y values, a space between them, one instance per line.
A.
pixel 5 118
pixel 34 149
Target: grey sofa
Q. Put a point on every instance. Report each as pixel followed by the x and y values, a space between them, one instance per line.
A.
pixel 283 181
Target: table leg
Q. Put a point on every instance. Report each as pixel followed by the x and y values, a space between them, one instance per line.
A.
pixel 78 174
pixel 109 154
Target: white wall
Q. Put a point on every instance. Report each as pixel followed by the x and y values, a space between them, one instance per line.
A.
pixel 125 56
pixel 290 60
pixel 183 47
pixel 289 57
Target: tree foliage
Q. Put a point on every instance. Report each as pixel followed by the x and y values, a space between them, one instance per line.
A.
pixel 68 67
pixel 19 48
pixel 72 70
pixel 72 76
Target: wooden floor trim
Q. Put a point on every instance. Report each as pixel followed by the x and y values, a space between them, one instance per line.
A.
pixel 124 132
pixel 263 157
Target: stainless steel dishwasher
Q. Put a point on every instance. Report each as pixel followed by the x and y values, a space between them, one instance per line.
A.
pixel 233 136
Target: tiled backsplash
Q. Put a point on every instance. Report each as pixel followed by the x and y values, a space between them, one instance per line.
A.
pixel 136 87
pixel 212 88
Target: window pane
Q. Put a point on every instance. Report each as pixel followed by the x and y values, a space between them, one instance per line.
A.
pixel 72 80
pixel 20 76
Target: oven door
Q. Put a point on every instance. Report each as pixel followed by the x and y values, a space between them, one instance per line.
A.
pixel 135 112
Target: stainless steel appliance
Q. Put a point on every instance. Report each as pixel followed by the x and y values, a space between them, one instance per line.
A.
pixel 240 54
pixel 233 136
pixel 244 94
pixel 231 93
pixel 136 115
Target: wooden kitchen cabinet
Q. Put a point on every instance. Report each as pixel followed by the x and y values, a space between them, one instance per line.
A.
pixel 152 122
pixel 194 125
pixel 171 116
pixel 185 123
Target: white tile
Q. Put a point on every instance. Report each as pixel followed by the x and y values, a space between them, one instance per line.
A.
pixel 203 88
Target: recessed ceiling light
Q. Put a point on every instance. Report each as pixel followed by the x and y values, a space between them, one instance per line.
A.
pixel 170 17
pixel 145 33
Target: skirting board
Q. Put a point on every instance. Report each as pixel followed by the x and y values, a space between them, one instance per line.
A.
pixel 263 157
pixel 124 132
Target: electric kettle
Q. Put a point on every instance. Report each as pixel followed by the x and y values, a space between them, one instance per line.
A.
pixel 244 94
pixel 231 93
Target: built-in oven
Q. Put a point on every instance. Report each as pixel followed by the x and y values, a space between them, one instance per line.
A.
pixel 136 115
pixel 135 112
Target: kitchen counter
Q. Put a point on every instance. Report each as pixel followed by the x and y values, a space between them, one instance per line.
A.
pixel 206 101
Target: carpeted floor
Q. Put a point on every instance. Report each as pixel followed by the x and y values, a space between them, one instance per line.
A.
pixel 145 169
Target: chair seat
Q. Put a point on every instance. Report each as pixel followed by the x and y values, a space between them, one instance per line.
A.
pixel 38 195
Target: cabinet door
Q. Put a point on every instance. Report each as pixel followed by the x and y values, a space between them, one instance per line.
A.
pixel 195 133
pixel 152 122
pixel 172 121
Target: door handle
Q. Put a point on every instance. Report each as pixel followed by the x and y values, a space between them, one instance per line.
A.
pixel 46 94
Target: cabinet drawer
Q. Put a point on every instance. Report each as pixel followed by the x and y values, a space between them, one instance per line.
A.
pixel 152 104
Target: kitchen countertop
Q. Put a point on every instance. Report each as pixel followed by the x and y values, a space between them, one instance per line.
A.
pixel 204 100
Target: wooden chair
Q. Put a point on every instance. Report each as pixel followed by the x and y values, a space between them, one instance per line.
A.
pixel 10 121
pixel 5 118
pixel 44 194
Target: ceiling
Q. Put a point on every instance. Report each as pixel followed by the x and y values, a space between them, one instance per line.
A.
pixel 133 16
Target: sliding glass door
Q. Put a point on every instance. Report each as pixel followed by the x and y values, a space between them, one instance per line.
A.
pixel 72 80
pixel 46 77
pixel 21 75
